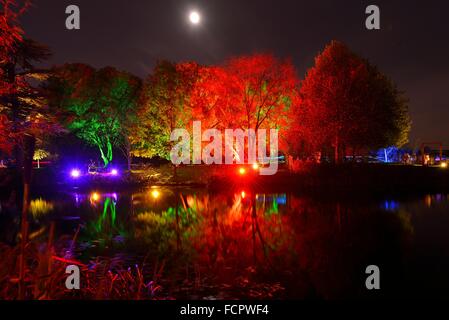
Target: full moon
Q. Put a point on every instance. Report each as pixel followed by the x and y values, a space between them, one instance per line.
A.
pixel 194 17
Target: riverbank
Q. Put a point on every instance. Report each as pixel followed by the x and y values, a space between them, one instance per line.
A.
pixel 357 178
pixel 352 178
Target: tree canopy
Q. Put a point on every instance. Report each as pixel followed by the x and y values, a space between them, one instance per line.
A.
pixel 249 92
pixel 348 103
pixel 100 104
pixel 344 103
pixel 24 112
pixel 164 106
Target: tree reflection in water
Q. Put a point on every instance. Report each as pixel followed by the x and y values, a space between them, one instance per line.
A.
pixel 246 245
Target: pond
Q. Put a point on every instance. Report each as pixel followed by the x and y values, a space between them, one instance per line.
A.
pixel 245 245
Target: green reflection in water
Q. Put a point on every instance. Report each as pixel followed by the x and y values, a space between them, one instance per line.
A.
pixel 107 225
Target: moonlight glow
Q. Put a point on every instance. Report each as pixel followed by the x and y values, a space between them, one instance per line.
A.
pixel 194 17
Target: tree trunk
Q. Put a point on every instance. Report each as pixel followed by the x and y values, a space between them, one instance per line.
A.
pixel 178 235
pixel 175 172
pixel 29 142
pixel 109 153
pixel 103 157
pixel 11 98
pixel 336 147
pixel 128 153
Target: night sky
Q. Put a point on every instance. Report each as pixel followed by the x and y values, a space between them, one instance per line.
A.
pixel 412 47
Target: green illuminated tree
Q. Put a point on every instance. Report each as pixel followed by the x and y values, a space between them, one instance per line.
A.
pixel 100 105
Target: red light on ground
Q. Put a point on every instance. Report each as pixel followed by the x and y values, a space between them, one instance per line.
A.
pixel 242 171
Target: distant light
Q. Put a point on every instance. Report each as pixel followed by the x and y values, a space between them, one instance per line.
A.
pixel 255 166
pixel 243 194
pixel 242 171
pixel 444 165
pixel 194 17
pixel 155 194
pixel 95 196
pixel 75 173
pixel 114 172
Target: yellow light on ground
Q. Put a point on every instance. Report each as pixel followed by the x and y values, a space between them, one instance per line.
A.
pixel 255 166
pixel 155 194
pixel 242 171
pixel 243 194
pixel 444 165
pixel 95 196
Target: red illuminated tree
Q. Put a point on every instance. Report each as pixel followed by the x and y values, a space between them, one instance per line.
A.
pixel 265 90
pixel 22 103
pixel 212 98
pixel 347 103
pixel 248 92
pixel 11 35
pixel 23 107
pixel 5 138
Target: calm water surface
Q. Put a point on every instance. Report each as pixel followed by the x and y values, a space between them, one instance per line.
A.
pixel 240 244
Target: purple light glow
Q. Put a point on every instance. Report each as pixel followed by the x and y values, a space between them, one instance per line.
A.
pixel 114 172
pixel 75 173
